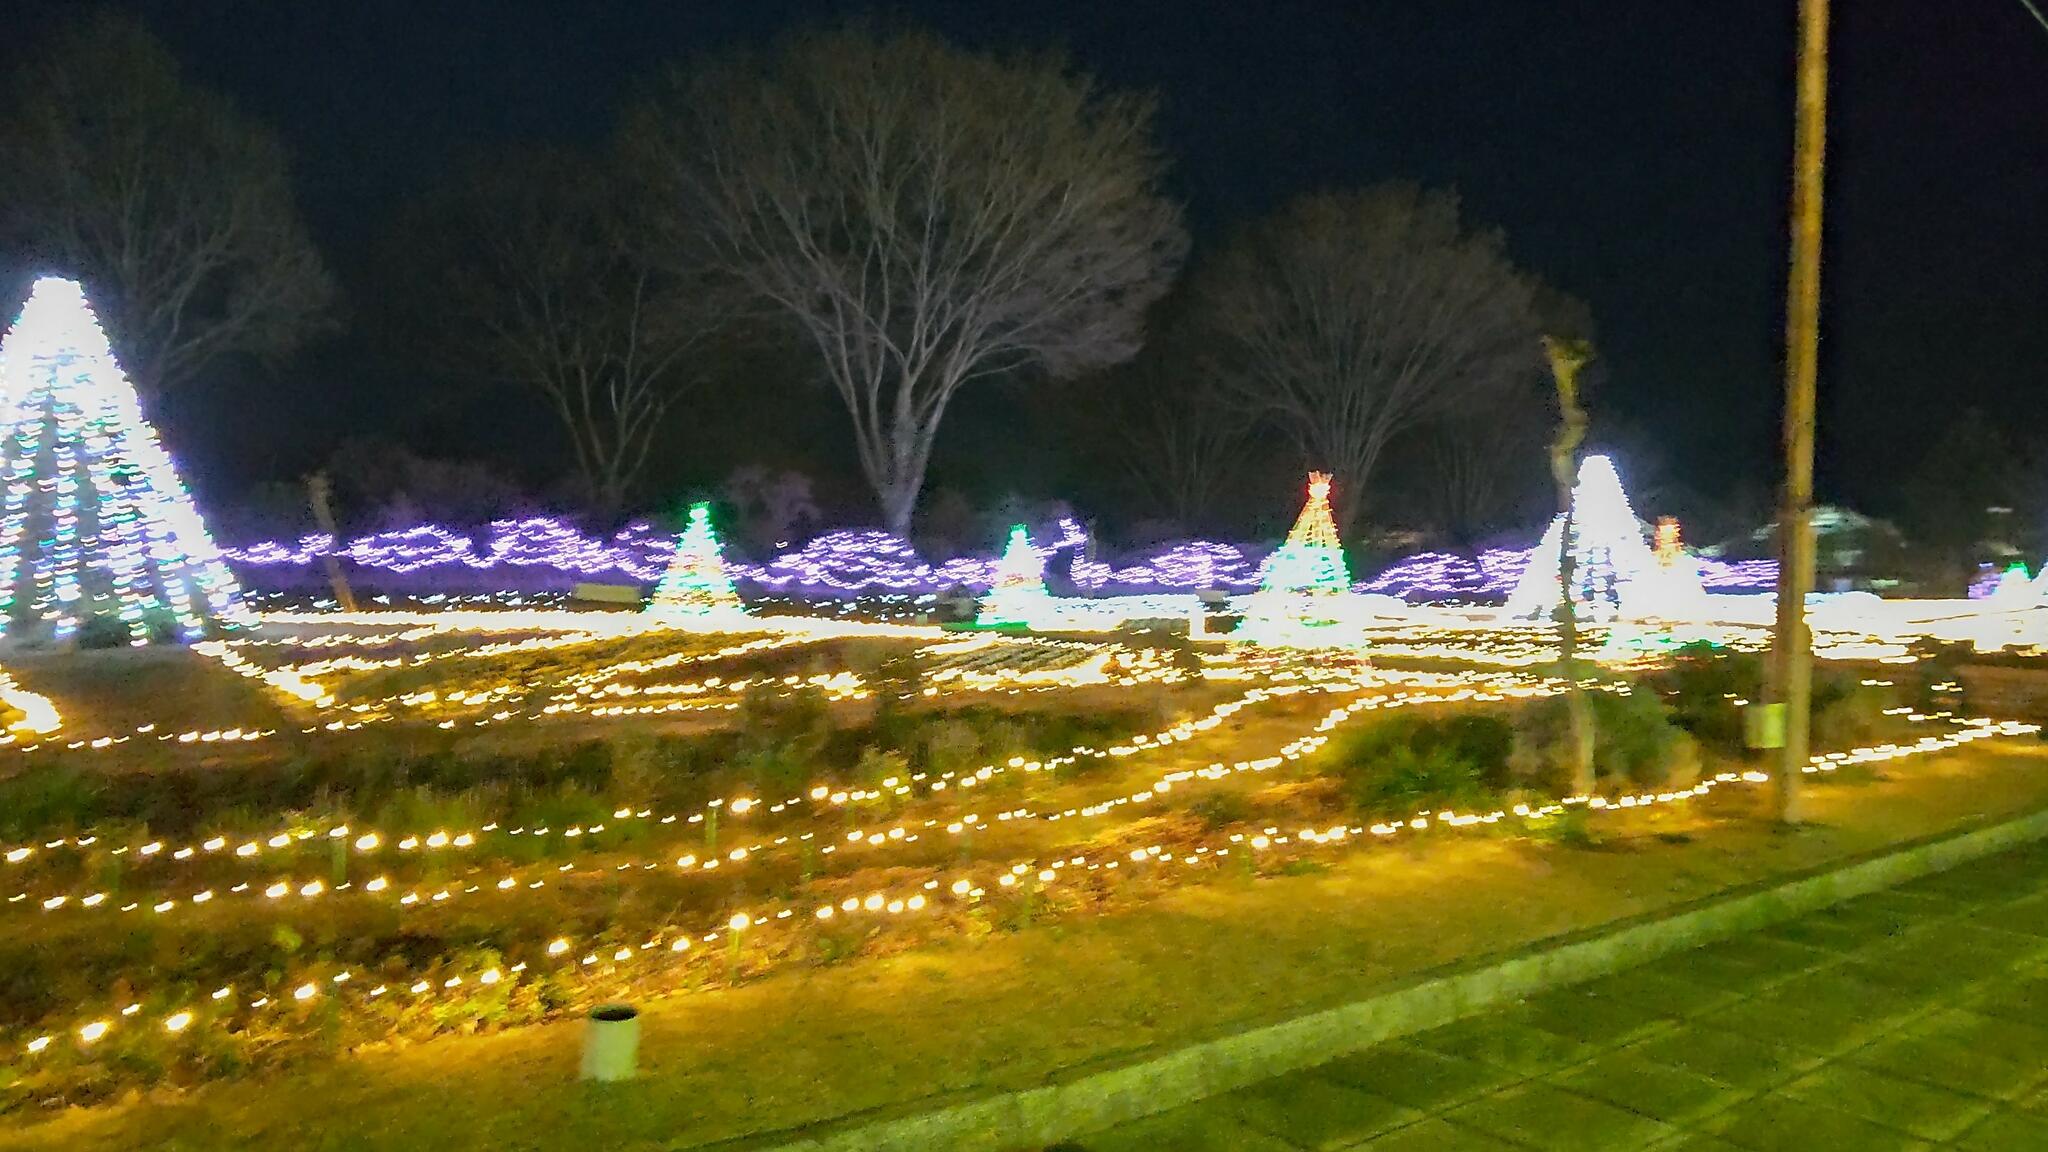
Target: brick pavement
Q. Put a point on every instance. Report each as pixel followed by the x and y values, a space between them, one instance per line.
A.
pixel 1915 1018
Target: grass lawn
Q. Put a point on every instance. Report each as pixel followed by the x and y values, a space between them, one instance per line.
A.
pixel 113 692
pixel 842 875
pixel 956 1017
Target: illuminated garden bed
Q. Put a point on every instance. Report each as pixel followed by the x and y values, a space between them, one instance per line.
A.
pixel 302 831
pixel 487 828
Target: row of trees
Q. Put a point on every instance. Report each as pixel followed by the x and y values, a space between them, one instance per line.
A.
pixel 175 207
pixel 924 218
pixel 1364 328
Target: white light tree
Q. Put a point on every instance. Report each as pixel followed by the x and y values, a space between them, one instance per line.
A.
pixel 1615 572
pixel 95 524
pixel 1018 594
pixel 928 217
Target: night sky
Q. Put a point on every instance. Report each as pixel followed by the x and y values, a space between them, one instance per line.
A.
pixel 1636 154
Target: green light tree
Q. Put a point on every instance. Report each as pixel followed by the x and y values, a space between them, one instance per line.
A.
pixel 1312 558
pixel 696 586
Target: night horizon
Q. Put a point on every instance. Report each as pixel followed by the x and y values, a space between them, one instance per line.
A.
pixel 1606 143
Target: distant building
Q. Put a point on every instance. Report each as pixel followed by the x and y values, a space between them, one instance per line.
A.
pixel 1853 552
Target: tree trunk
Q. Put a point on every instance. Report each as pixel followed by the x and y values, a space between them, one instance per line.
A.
pixel 607 497
pixel 1565 361
pixel 898 498
pixel 1346 511
pixel 318 490
pixel 1347 506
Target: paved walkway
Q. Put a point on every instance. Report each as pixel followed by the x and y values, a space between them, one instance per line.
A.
pixel 1911 1019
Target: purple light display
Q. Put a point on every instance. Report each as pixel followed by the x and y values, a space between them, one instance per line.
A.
pixel 1447 577
pixel 1195 565
pixel 542 542
pixel 1431 577
pixel 1738 576
pixel 846 563
pixel 869 562
pixel 850 562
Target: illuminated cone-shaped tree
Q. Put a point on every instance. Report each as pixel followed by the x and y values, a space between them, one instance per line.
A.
pixel 2014 590
pixel 1615 574
pixel 1304 586
pixel 95 524
pixel 1312 558
pixel 696 587
pixel 1017 595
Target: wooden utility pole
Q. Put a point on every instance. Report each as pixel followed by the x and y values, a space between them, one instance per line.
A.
pixel 1792 661
pixel 1566 358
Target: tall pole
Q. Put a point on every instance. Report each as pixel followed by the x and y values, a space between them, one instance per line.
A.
pixel 1793 661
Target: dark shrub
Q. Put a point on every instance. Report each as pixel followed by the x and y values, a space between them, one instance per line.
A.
pixel 1705 690
pixel 1406 764
pixel 1846 714
pixel 50 795
pixel 1635 745
pixel 781 738
pixel 1701 689
pixel 1220 810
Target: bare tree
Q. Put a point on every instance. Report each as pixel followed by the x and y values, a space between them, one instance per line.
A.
pixel 542 285
pixel 175 209
pixel 1469 472
pixel 928 217
pixel 1179 443
pixel 774 505
pixel 1475 465
pixel 1350 318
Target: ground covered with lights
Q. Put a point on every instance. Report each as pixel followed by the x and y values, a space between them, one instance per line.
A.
pixel 395 828
pixel 802 956
pixel 313 874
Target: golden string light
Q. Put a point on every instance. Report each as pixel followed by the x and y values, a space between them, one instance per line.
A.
pixel 1425 688
pixel 312 667
pixel 365 840
pixel 924 896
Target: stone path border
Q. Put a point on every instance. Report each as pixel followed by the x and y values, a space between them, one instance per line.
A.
pixel 1089 1102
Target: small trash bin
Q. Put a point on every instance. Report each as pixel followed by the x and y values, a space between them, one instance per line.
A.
pixel 1763 726
pixel 611 1042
